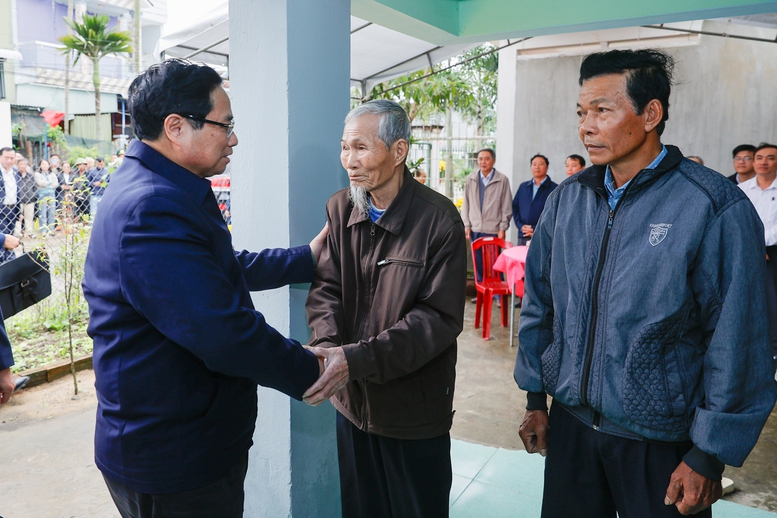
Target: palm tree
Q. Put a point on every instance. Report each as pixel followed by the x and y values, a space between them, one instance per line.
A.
pixel 92 39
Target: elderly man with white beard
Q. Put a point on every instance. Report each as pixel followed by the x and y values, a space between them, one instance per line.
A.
pixel 385 310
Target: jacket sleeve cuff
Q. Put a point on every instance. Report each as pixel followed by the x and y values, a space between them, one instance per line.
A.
pixel 536 401
pixel 704 464
pixel 359 365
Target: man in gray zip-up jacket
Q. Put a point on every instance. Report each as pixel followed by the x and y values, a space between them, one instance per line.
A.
pixel 636 295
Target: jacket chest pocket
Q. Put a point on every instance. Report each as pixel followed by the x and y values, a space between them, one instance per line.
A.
pixel 400 275
pixel 400 261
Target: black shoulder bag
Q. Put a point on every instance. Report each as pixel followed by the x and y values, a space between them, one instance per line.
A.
pixel 24 281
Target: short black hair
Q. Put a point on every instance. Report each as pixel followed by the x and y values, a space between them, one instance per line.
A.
pixel 100 159
pixel 742 147
pixel 580 160
pixel 173 86
pixel 547 162
pixel 648 75
pixel 3 150
pixel 764 145
pixel 488 150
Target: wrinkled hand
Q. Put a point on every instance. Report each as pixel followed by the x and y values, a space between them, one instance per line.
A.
pixel 468 233
pixel 691 492
pixel 500 234
pixel 334 378
pixel 11 242
pixel 534 431
pixel 527 231
pixel 7 386
pixel 318 242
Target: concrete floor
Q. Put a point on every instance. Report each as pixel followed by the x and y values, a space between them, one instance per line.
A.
pixel 46 457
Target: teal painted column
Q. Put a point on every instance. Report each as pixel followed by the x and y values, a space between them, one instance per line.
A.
pixel 289 84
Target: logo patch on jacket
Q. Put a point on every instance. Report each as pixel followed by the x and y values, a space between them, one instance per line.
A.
pixel 658 232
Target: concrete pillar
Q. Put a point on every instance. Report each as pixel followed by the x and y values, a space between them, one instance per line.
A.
pixel 289 83
pixel 505 121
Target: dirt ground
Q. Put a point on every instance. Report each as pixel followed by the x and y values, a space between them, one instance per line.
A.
pixel 68 483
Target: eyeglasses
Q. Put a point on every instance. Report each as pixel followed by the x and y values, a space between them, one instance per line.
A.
pixel 229 127
pixel 743 159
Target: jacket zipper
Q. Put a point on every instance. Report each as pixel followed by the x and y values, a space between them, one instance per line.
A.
pixel 367 280
pixel 589 353
pixel 403 262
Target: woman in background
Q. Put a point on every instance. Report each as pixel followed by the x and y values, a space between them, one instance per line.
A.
pixel 47 183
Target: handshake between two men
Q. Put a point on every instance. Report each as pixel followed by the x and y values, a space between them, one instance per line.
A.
pixel 179 347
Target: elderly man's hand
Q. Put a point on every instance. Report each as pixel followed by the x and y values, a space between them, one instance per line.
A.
pixel 334 378
pixel 691 492
pixel 534 431
pixel 318 242
pixel 500 234
pixel 7 386
pixel 11 242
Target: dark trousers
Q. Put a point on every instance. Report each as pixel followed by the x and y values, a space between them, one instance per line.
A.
pixel 221 499
pixel 392 478
pixel 771 297
pixel 590 474
pixel 479 255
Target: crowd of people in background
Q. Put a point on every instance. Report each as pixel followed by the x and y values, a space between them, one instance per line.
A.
pixel 37 198
pixel 487 210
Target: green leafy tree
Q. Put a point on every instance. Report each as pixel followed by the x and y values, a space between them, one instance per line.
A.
pixel 76 152
pixel 481 77
pixel 93 40
pixel 424 96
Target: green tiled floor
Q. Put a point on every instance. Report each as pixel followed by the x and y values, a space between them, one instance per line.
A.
pixel 494 483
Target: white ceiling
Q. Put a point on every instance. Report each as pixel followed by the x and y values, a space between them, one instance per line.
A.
pixel 377 53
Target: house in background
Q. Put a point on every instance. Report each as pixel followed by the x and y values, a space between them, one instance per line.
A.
pixel 8 57
pixel 37 82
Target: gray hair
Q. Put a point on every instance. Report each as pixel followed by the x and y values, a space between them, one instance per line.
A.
pixel 394 123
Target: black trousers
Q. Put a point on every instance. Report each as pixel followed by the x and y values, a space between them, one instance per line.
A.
pixel 381 477
pixel 771 296
pixel 590 474
pixel 221 499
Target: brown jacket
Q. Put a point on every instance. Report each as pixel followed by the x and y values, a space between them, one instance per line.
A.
pixel 497 204
pixel 392 294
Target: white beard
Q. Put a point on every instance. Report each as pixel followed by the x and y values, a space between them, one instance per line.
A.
pixel 358 196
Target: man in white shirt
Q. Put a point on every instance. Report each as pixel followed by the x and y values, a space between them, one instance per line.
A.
pixel 743 163
pixel 8 208
pixel 762 191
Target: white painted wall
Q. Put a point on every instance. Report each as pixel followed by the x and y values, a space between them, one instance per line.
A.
pixel 506 121
pixel 53 98
pixel 724 97
pixel 5 124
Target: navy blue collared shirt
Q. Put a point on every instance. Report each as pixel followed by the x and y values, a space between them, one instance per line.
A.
pixel 178 346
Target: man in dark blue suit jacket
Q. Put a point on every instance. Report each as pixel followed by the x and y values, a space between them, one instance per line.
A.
pixel 530 198
pixel 178 346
